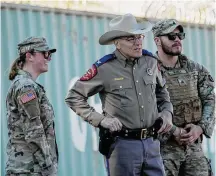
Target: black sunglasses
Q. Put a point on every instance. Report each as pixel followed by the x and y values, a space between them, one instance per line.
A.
pixel 172 35
pixel 47 54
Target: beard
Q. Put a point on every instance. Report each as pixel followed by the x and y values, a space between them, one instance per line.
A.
pixel 168 50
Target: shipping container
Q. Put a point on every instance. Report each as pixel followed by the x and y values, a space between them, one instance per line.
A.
pixel 75 34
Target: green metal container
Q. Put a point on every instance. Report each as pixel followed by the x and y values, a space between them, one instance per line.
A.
pixel 75 35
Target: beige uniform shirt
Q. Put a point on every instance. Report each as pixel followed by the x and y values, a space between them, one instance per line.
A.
pixel 133 92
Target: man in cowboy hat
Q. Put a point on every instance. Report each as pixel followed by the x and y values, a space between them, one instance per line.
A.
pixel 133 96
pixel 191 89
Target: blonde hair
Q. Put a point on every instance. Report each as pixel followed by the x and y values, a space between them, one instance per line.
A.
pixel 16 66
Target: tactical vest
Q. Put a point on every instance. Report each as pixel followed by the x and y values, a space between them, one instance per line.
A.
pixel 182 86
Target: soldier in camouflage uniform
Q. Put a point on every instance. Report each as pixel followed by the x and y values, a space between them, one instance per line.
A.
pixel 32 148
pixel 191 89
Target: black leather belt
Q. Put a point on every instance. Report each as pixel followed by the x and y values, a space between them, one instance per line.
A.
pixel 138 134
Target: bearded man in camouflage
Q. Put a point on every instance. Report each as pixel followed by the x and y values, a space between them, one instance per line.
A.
pixel 191 89
pixel 31 149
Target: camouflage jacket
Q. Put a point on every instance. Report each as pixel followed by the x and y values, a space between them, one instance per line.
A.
pixel 191 89
pixel 32 143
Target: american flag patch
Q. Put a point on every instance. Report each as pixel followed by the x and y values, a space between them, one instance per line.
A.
pixel 27 97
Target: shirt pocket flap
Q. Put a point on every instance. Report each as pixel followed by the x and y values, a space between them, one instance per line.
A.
pixel 149 79
pixel 121 85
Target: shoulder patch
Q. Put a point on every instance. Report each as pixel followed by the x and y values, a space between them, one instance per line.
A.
pixel 146 52
pixel 26 97
pixel 104 59
pixel 89 74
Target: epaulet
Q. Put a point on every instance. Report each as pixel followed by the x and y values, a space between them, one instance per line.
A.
pixel 146 52
pixel 104 59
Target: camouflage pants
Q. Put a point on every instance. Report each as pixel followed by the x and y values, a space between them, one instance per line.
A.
pixel 184 160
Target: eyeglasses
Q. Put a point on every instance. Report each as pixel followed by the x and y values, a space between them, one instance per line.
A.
pixel 172 35
pixel 132 39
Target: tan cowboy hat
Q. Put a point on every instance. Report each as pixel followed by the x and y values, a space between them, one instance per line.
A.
pixel 122 26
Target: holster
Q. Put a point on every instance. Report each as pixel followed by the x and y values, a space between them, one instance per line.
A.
pixel 106 139
pixel 105 142
pixel 157 125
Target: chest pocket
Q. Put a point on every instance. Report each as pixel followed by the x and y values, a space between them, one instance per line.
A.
pixel 150 84
pixel 123 92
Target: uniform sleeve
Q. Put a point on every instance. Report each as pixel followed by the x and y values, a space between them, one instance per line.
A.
pixel 77 98
pixel 207 96
pixel 28 101
pixel 162 95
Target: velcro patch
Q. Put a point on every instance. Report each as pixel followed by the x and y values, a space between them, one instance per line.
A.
pixel 89 74
pixel 26 97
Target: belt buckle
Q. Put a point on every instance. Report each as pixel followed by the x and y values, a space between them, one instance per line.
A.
pixel 143 134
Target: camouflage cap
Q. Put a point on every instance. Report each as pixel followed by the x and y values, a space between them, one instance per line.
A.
pixel 36 43
pixel 166 26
